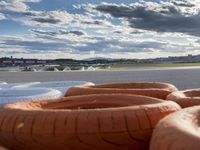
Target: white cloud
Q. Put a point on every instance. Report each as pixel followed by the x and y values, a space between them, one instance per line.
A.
pixel 32 1
pixel 46 19
pixel 103 32
pixel 2 16
pixel 171 16
pixel 14 6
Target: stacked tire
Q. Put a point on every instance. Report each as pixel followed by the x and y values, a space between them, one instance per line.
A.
pixel 178 131
pixel 115 116
pixel 152 89
pixel 187 98
pixel 62 86
pixel 90 122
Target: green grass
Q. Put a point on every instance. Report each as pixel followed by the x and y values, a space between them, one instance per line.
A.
pixel 178 65
pixel 146 66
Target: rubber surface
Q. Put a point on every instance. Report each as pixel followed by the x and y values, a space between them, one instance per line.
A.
pixel 152 89
pixel 2 148
pixel 20 94
pixel 186 98
pixel 92 122
pixel 178 131
pixel 62 85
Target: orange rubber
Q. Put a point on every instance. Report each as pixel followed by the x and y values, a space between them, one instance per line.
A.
pixel 178 131
pixel 152 89
pixel 186 98
pixel 92 122
pixel 2 148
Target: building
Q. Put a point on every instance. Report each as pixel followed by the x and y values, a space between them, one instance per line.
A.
pixel 22 62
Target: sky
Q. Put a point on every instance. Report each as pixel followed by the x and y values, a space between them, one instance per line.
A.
pixel 80 29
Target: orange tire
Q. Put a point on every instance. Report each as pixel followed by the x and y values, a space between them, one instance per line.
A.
pixel 186 98
pixel 152 89
pixel 92 122
pixel 178 131
pixel 2 148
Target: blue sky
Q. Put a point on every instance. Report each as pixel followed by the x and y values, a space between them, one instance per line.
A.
pixel 92 28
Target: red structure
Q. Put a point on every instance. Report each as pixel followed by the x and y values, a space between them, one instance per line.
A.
pixel 21 62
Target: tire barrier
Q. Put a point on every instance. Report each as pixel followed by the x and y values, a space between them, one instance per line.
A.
pixel 2 83
pixel 62 85
pixel 152 89
pixel 90 122
pixel 15 95
pixel 2 148
pixel 18 85
pixel 186 98
pixel 178 131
